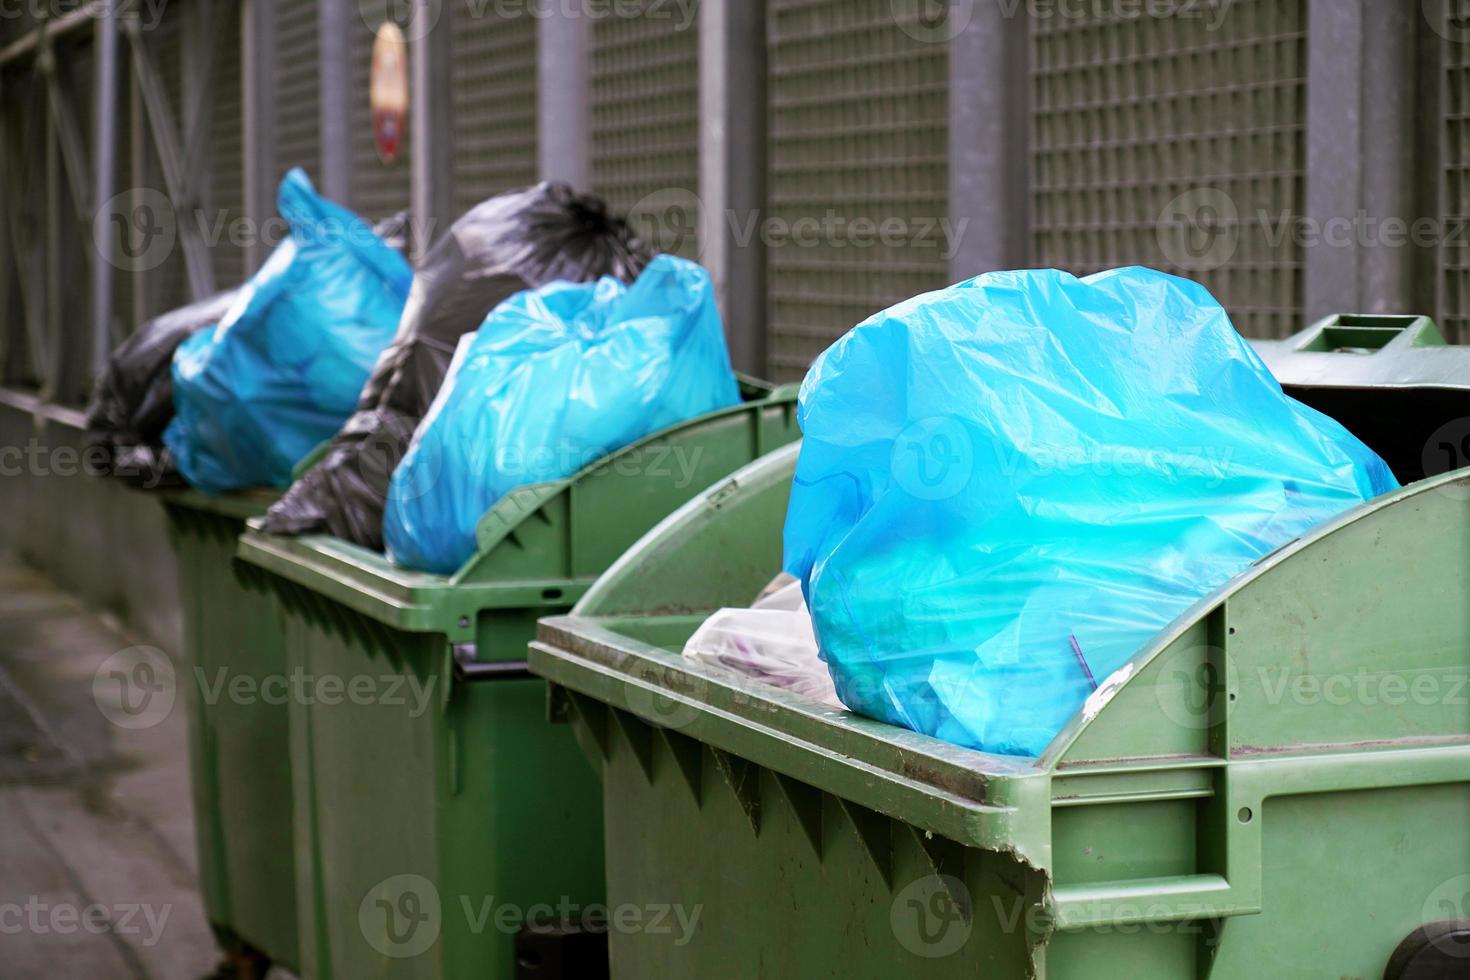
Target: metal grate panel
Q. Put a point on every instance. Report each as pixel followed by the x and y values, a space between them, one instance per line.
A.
pixel 378 189
pixel 1453 314
pixel 22 132
pixel 1131 114
pixel 494 102
pixel 296 116
pixel 645 118
pixel 166 41
pixel 226 150
pixel 859 115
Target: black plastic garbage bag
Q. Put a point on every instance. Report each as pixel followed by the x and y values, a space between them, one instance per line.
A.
pixel 133 401
pixel 516 241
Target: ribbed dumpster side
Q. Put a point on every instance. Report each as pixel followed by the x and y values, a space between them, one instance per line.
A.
pixel 438 811
pixel 1217 798
pixel 235 658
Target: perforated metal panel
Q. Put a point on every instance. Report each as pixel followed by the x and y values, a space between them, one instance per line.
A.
pixel 296 116
pixel 171 279
pixel 1453 255
pixel 858 137
pixel 22 129
pixel 1132 113
pixel 645 118
pixel 494 102
pixel 226 149
pixel 378 189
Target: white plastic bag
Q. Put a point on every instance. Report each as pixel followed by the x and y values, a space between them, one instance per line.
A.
pixel 771 641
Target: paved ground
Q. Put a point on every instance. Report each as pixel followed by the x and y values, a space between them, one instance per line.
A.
pixel 97 864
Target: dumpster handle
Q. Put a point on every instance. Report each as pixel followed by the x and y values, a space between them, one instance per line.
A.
pixel 467 668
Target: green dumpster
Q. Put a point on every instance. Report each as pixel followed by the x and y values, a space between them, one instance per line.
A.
pixel 234 650
pixel 437 816
pixel 1277 786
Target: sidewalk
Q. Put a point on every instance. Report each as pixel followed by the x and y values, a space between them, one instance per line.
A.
pixel 97 862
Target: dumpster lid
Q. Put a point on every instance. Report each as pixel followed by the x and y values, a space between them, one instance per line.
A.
pixel 1390 380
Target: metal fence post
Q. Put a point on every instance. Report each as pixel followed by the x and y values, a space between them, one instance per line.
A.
pixel 989 145
pixel 430 125
pixel 732 168
pixel 104 176
pixel 333 52
pixel 258 86
pixel 564 145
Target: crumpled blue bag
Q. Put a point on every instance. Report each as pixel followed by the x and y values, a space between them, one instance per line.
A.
pixel 282 371
pixel 555 379
pixel 1013 483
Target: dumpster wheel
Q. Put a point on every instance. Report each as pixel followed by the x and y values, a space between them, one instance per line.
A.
pixel 1437 951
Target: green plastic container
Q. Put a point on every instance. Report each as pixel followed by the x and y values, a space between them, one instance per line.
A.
pixel 1390 379
pixel 437 812
pixel 1277 786
pixel 240 767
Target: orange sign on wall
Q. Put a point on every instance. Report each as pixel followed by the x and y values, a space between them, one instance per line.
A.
pixel 388 91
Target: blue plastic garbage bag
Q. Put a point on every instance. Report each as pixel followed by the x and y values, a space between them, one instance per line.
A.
pixel 1012 484
pixel 282 371
pixel 555 379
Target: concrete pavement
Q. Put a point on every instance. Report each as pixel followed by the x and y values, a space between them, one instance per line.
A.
pixel 97 861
